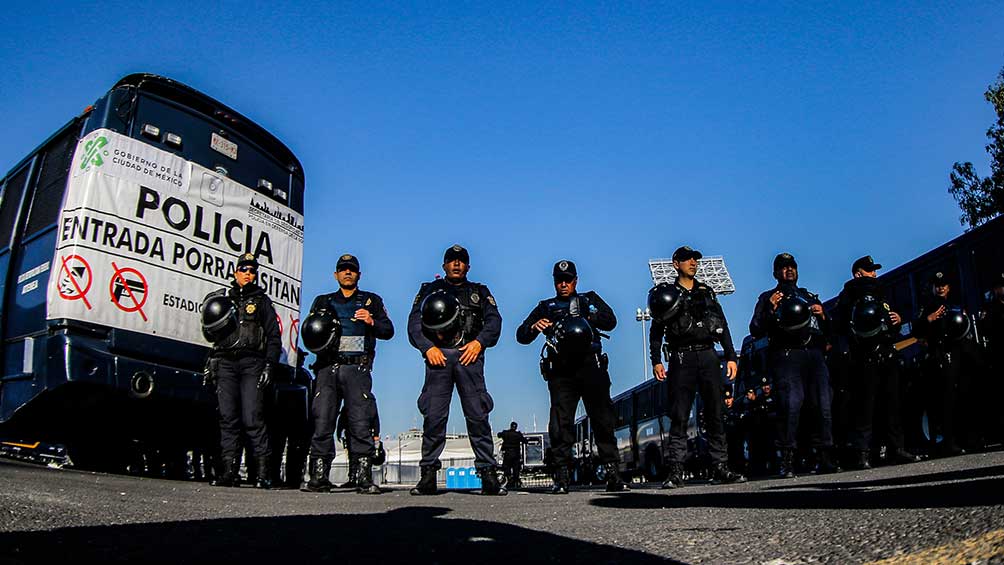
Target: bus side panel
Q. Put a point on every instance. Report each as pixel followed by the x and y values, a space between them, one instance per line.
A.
pixel 25 305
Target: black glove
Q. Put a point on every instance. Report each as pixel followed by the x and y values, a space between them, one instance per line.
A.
pixel 208 374
pixel 266 376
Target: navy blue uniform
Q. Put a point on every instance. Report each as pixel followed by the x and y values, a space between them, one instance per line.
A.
pixel 584 377
pixel 238 361
pixel 345 374
pixel 799 369
pixel 692 367
pixel 482 322
pixel 874 370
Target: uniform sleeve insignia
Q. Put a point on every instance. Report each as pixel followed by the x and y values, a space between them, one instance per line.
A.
pixel 250 308
pixel 369 301
pixel 886 306
pixel 417 298
pixel 491 300
pixel 475 298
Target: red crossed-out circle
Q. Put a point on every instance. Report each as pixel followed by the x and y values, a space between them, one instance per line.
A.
pixel 120 276
pixel 294 332
pixel 81 292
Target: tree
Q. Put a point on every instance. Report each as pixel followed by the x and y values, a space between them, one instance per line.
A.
pixel 982 199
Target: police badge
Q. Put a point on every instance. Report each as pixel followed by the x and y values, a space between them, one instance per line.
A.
pixel 475 298
pixel 250 309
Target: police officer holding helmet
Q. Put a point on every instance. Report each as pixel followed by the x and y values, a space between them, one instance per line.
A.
pixel 871 327
pixel 345 346
pixel 452 322
pixel 575 367
pixel 689 318
pixel 793 320
pixel 241 323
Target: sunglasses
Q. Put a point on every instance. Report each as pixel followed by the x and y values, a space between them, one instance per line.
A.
pixel 250 270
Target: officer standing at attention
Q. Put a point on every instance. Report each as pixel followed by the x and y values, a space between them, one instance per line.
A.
pixel 512 453
pixel 344 374
pixel 576 368
pixel 871 328
pixel 793 320
pixel 689 318
pixel 452 322
pixel 246 345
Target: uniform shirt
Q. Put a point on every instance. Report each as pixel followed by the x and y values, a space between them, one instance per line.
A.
pixel 854 290
pixel 511 439
pixel 764 323
pixel 466 291
pixel 591 307
pixel 933 332
pixel 700 302
pixel 345 307
pixel 254 309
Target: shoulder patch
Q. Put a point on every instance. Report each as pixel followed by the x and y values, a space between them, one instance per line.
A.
pixel 491 300
pixel 368 301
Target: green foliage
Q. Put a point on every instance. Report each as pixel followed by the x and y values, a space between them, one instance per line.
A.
pixel 982 199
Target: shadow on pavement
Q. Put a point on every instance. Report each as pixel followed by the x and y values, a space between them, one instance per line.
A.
pixel 983 492
pixel 406 535
pixel 995 471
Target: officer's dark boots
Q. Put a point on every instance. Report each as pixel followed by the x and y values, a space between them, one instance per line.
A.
pixel 614 481
pixel 318 470
pixel 560 481
pixel 427 482
pixel 490 482
pixel 353 479
pixel 901 456
pixel 721 474
pixel 862 460
pixel 827 463
pixel 675 477
pixel 364 477
pixel 787 467
pixel 264 480
pixel 228 474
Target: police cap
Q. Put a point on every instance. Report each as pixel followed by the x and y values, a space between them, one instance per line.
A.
pixel 865 263
pixel 784 260
pixel 939 279
pixel 457 252
pixel 247 259
pixel 564 269
pixel 685 253
pixel 347 262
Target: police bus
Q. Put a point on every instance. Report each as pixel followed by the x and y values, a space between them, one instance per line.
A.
pixel 111 233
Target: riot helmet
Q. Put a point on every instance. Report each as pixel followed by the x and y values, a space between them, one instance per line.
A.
pixel 219 317
pixel 792 314
pixel 869 318
pixel 572 335
pixel 956 324
pixel 664 301
pixel 441 313
pixel 321 331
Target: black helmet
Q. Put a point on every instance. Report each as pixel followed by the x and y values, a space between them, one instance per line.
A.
pixel 869 318
pixel 320 331
pixel 219 317
pixel 664 301
pixel 572 335
pixel 379 454
pixel 792 313
pixel 956 324
pixel 440 312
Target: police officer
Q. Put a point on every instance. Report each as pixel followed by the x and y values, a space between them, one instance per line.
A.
pixel 574 373
pixel 992 325
pixel 690 328
pixel 344 374
pixel 512 453
pixel 870 327
pixel 944 326
pixel 241 363
pixel 454 356
pixel 793 320
pixel 342 433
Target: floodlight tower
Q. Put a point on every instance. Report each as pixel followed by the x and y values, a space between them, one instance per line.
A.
pixel 710 270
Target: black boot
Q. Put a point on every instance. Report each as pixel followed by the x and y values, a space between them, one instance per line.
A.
pixel 264 480
pixel 787 468
pixel 614 481
pixel 490 482
pixel 862 460
pixel 353 479
pixel 318 470
pixel 227 476
pixel 827 464
pixel 721 474
pixel 675 477
pixel 427 483
pixel 900 456
pixel 560 481
pixel 364 477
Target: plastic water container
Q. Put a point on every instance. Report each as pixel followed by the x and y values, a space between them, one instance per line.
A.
pixel 473 480
pixel 452 478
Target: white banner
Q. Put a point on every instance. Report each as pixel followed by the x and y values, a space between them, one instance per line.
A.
pixel 144 235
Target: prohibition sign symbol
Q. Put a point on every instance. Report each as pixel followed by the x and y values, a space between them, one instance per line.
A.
pixel 120 285
pixel 294 332
pixel 69 286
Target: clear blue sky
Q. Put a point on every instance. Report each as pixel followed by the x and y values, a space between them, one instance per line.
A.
pixel 603 133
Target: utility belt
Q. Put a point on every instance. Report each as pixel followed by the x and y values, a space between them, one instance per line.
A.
pixel 359 359
pixel 553 365
pixel 668 351
pixel 237 354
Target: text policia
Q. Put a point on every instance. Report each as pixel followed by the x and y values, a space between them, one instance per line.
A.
pixel 231 233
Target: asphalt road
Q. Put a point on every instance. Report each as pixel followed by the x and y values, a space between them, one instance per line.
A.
pixel 947 510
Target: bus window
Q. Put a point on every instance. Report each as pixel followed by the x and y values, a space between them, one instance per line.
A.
pixel 48 193
pixel 646 406
pixel 12 192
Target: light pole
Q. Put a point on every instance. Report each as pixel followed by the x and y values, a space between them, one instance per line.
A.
pixel 643 316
